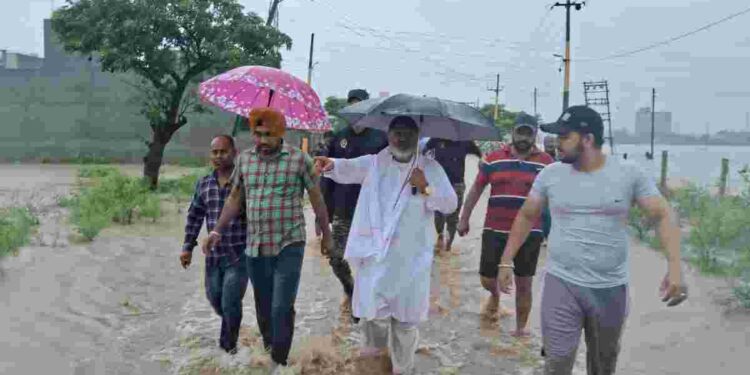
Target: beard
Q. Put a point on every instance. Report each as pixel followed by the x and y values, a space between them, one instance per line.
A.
pixel 401 155
pixel 522 146
pixel 571 157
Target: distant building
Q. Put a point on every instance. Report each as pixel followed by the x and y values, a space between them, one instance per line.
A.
pixel 662 122
pixel 19 61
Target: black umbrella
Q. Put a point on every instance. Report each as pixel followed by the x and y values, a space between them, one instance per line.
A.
pixel 437 118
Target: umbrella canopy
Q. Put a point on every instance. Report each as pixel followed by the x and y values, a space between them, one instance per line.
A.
pixel 242 89
pixel 437 118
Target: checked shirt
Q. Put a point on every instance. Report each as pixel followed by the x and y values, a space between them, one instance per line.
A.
pixel 273 188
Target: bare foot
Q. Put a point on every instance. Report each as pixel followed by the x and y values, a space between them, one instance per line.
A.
pixel 521 333
pixel 504 313
pixel 491 308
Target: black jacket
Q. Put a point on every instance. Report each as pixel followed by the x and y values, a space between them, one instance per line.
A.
pixel 341 199
pixel 452 156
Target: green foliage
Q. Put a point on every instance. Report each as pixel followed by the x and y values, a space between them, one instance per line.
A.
pixel 170 45
pixel 506 118
pixel 718 242
pixel 183 186
pixel 332 106
pixel 113 198
pixel 16 224
pixel 92 171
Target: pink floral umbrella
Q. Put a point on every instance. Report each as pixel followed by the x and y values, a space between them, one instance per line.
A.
pixel 242 89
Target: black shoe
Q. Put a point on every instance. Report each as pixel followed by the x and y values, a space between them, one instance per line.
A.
pixel 355 320
pixel 232 351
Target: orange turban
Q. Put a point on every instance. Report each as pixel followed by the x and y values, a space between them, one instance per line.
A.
pixel 269 118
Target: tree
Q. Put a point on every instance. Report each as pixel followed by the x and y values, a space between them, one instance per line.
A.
pixel 332 106
pixel 171 45
pixel 506 118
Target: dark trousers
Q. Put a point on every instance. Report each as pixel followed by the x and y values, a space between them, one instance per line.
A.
pixel 225 287
pixel 341 228
pixel 451 219
pixel 275 283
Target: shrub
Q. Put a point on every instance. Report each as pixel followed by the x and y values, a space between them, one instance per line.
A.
pixel 16 225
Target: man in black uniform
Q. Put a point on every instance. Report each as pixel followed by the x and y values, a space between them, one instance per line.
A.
pixel 341 200
pixel 452 157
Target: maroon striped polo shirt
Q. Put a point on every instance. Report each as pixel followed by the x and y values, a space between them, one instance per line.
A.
pixel 510 180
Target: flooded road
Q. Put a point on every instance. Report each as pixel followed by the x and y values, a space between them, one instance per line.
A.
pixel 123 305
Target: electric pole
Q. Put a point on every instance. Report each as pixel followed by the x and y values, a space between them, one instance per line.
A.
pixel 496 90
pixel 535 111
pixel 653 111
pixel 273 14
pixel 310 61
pixel 566 85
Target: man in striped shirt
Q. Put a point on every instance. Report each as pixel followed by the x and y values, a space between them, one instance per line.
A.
pixel 510 172
pixel 226 276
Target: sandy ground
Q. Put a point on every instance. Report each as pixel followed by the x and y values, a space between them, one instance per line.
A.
pixel 123 305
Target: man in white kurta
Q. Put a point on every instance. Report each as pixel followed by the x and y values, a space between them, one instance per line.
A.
pixel 391 239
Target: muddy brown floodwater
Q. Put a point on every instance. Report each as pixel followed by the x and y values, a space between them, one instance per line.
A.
pixel 123 305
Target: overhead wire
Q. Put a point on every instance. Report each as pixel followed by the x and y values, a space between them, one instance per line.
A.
pixel 666 41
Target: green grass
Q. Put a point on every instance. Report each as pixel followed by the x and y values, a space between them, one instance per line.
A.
pixel 98 170
pixel 16 226
pixel 109 197
pixel 718 243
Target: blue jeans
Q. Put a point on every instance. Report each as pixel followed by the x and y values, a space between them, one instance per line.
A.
pixel 226 284
pixel 275 283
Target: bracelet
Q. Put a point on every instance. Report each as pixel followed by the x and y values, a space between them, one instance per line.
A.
pixel 506 266
pixel 214 232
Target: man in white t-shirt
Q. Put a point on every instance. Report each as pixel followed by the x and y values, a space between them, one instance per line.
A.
pixel 589 196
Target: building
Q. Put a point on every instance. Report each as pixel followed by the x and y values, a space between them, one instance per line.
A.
pixel 19 61
pixel 662 122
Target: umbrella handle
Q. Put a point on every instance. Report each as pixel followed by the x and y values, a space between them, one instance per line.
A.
pixel 270 96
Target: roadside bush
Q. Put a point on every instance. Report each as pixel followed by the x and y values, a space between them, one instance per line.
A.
pixel 112 197
pixel 93 171
pixel 16 226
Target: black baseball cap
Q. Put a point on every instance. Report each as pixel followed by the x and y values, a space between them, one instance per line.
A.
pixel 525 119
pixel 578 118
pixel 358 94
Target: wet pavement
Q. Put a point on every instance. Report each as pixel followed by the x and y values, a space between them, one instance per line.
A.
pixel 123 305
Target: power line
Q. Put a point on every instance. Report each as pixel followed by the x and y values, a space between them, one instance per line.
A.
pixel 352 26
pixel 667 41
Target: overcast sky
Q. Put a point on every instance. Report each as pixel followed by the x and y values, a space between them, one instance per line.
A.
pixel 454 49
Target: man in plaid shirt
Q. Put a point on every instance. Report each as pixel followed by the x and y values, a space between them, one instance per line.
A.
pixel 226 275
pixel 272 178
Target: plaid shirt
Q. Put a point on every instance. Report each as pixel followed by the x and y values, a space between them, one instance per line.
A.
pixel 207 203
pixel 274 188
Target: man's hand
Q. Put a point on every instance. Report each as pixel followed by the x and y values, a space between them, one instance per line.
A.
pixel 323 164
pixel 326 243
pixel 505 279
pixel 211 242
pixel 185 258
pixel 418 180
pixel 672 290
pixel 463 227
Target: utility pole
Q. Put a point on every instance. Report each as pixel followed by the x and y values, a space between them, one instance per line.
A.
pixel 273 14
pixel 496 90
pixel 535 94
pixel 596 93
pixel 566 86
pixel 310 61
pixel 653 111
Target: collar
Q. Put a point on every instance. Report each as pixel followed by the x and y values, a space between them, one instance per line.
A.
pixel 511 151
pixel 282 151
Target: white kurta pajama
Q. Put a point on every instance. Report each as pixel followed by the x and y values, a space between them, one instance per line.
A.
pixel 391 247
